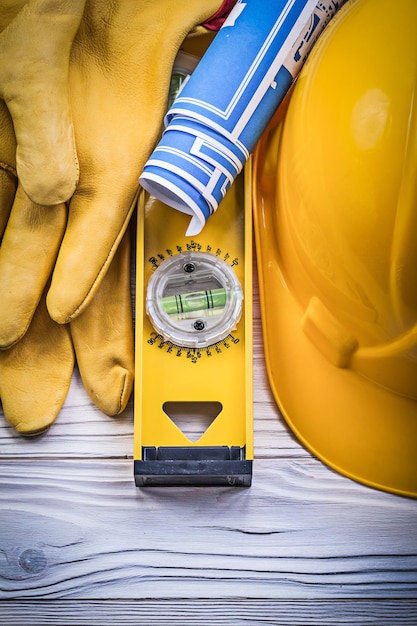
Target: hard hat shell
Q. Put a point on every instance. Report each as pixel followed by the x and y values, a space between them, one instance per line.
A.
pixel 335 208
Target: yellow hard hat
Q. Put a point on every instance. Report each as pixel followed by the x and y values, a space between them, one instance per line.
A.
pixel 335 209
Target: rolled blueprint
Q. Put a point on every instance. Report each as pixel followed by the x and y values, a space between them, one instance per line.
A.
pixel 223 108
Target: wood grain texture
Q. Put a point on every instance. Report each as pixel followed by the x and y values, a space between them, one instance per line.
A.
pixel 79 543
pixel 240 612
pixel 80 529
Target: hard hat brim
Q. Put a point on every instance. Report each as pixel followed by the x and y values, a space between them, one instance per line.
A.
pixel 357 428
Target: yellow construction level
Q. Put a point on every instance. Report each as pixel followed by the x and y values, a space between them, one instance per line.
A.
pixel 193 420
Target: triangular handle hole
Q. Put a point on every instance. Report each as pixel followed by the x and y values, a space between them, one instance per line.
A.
pixel 192 418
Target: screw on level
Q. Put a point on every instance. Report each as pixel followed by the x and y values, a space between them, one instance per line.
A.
pixel 199 325
pixel 189 268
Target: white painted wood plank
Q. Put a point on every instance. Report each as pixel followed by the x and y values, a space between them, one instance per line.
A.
pixel 236 612
pixel 82 530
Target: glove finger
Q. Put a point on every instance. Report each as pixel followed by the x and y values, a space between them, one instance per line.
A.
pixel 87 250
pixel 103 337
pixel 118 107
pixel 34 61
pixel 35 374
pixel 27 255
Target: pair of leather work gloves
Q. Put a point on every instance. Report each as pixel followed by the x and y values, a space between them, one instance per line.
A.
pixel 83 87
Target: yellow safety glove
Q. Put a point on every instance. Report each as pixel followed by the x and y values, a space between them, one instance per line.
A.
pixel 121 65
pixel 120 70
pixel 36 368
pixel 35 373
pixel 35 43
pixel 102 336
pixel 30 237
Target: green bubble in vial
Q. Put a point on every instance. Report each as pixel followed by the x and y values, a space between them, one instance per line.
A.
pixel 196 301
